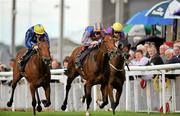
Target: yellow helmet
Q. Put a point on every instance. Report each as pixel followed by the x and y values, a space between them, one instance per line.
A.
pixel 117 27
pixel 39 29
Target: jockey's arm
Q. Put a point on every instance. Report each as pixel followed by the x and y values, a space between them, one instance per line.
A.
pixel 28 39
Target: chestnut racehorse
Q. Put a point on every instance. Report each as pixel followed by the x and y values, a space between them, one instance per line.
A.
pixel 37 73
pixel 92 71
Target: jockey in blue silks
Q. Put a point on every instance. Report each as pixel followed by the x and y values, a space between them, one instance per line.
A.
pixel 91 38
pixel 32 34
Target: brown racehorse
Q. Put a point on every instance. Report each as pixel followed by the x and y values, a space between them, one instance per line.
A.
pixel 93 70
pixel 37 73
pixel 116 76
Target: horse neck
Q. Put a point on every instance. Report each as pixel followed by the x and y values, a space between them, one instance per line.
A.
pixel 118 61
pixel 100 57
pixel 39 62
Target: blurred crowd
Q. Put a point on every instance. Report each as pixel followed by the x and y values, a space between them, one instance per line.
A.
pixel 148 54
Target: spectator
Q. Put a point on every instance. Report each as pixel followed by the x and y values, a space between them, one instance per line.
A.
pixel 146 46
pixel 171 59
pixel 169 43
pixel 177 43
pixel 162 50
pixel 169 53
pixel 65 61
pixel 55 64
pixel 3 68
pixel 176 49
pixel 155 59
pixel 139 59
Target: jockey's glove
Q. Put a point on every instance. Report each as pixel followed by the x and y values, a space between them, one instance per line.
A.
pixel 35 47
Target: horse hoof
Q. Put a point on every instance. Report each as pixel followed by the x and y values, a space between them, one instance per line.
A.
pixel 87 114
pixel 46 103
pixel 113 112
pixel 9 104
pixel 63 107
pixel 110 109
pixel 39 108
pixel 101 106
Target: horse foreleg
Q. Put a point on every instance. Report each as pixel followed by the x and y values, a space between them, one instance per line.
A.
pixel 111 97
pixel 68 86
pixel 88 97
pixel 118 95
pixel 104 96
pixel 32 89
pixel 84 96
pixel 39 108
pixel 14 84
pixel 47 90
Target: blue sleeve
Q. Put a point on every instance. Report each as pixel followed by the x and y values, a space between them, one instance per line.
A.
pixel 28 38
pixel 88 32
pixel 85 38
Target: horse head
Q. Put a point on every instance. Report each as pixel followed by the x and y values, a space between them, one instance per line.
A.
pixel 44 51
pixel 108 45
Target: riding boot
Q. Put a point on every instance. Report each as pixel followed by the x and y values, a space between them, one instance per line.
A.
pixel 23 60
pixel 78 60
pixel 81 56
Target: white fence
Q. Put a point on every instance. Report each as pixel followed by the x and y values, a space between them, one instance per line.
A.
pixel 129 99
pixel 148 70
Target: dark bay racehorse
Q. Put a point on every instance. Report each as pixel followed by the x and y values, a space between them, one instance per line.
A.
pixel 116 76
pixel 94 66
pixel 37 73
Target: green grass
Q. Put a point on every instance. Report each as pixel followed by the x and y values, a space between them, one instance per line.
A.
pixel 8 113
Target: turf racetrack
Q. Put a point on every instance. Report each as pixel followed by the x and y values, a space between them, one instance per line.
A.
pixel 8 113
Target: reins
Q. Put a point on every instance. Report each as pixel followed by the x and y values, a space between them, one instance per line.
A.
pixel 115 67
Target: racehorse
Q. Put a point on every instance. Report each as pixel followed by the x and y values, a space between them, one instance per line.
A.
pixel 116 76
pixel 37 73
pixel 92 71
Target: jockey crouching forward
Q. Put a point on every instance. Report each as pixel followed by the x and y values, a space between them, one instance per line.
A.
pixel 91 38
pixel 32 34
pixel 118 35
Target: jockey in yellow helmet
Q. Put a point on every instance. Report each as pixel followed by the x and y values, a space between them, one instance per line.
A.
pixel 34 32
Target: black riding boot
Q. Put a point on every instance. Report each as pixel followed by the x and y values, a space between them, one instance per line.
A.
pixel 23 60
pixel 81 56
pixel 78 60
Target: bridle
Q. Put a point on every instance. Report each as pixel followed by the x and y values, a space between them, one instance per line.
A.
pixel 45 60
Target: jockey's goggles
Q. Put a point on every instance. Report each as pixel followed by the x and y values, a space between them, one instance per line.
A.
pixel 38 34
pixel 116 32
pixel 97 33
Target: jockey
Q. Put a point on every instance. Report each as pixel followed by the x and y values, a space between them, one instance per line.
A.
pixel 91 38
pixel 116 31
pixel 32 34
pixel 118 35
